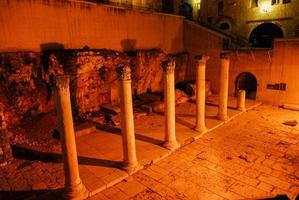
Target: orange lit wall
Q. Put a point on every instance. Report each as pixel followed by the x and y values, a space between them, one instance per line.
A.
pixel 28 25
pixel 280 65
pixel 36 25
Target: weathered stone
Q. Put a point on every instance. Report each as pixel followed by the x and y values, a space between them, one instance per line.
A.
pixel 110 109
pixel 148 98
pixel 147 108
pixel 180 97
pixel 84 129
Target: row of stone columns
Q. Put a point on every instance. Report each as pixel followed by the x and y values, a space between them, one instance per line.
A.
pixel 74 188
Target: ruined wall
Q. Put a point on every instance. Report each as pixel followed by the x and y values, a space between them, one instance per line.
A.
pixel 270 67
pixel 37 25
pixel 26 78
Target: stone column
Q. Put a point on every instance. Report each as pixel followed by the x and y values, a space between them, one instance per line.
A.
pixel 127 119
pixel 223 88
pixel 200 125
pixel 74 188
pixel 241 100
pixel 169 104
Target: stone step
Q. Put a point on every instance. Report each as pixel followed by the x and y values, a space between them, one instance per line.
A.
pixel 84 129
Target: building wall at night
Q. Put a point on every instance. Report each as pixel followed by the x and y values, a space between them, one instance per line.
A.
pixel 73 25
pixel 243 16
pixel 36 25
pixel 270 67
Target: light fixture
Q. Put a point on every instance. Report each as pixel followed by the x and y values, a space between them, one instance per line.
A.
pixel 265 6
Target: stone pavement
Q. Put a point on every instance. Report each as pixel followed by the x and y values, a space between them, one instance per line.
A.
pixel 253 156
pixel 100 154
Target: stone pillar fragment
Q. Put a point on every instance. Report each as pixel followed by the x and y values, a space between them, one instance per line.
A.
pixel 241 100
pixel 200 125
pixel 223 88
pixel 127 119
pixel 74 188
pixel 169 102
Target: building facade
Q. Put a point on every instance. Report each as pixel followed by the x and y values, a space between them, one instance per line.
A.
pixel 255 21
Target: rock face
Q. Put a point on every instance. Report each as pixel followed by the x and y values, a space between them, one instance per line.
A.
pixel 26 79
pixel 22 91
pixel 5 149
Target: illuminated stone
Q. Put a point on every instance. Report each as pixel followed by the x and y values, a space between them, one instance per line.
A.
pixel 130 163
pixel 169 101
pixel 200 93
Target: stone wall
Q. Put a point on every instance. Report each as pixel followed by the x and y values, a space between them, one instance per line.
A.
pixel 26 78
pixel 38 25
pixel 270 68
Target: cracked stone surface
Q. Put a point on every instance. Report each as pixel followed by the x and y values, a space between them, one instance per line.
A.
pixel 253 156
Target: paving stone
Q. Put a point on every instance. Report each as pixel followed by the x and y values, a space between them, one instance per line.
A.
pixel 113 193
pixel 275 181
pixel 131 187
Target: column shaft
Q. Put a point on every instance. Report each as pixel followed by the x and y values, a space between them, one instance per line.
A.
pixel 127 120
pixel 201 93
pixel 223 89
pixel 127 123
pixel 73 184
pixel 241 100
pixel 170 141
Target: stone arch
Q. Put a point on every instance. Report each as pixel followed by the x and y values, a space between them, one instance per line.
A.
pixel 263 35
pixel 248 82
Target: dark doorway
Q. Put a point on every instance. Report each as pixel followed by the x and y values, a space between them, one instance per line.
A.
pixel 246 81
pixel 167 6
pixel 186 10
pixel 263 35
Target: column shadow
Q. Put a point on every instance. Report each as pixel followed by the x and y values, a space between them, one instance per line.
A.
pixel 138 136
pixel 32 194
pixel 29 154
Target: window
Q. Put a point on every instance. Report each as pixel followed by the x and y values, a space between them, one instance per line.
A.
pixel 220 8
pixel 274 2
pixel 224 26
pixel 254 3
pixel 286 1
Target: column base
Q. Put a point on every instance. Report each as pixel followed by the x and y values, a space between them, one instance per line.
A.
pixel 131 168
pixel 171 145
pixel 76 192
pixel 242 109
pixel 200 129
pixel 222 117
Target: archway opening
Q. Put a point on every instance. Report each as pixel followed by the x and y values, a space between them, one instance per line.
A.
pixel 246 81
pixel 263 35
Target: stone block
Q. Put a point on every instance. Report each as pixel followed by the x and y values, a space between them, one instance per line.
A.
pixel 110 109
pixel 84 129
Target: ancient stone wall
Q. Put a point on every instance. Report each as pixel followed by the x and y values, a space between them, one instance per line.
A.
pixel 26 78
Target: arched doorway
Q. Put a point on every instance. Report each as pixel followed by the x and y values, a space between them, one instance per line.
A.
pixel 246 81
pixel 263 35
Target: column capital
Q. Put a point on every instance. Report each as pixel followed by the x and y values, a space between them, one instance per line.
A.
pixel 168 66
pixel 202 58
pixel 123 72
pixel 224 55
pixel 62 82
